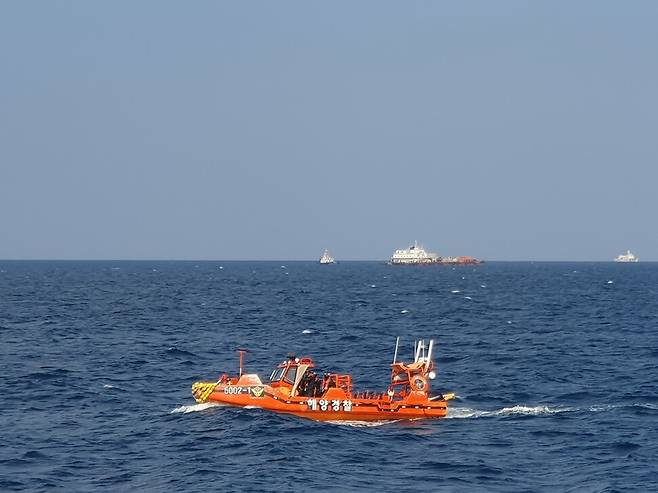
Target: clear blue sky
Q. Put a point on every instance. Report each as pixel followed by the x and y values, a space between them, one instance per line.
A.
pixel 273 130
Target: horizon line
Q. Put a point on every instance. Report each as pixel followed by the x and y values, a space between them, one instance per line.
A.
pixel 276 260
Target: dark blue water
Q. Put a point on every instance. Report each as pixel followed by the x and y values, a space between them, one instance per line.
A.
pixel 556 370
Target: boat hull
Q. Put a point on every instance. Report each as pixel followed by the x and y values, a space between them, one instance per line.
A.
pixel 335 405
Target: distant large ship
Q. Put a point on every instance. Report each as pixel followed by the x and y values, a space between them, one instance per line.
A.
pixel 626 257
pixel 327 258
pixel 414 255
pixel 417 255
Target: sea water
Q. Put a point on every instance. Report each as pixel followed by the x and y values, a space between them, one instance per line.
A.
pixel 555 370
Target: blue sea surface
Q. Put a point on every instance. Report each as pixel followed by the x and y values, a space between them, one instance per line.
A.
pixel 555 366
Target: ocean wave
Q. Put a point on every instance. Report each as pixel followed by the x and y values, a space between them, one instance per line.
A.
pixel 49 373
pixel 611 407
pixel 195 408
pixel 597 408
pixel 646 405
pixel 173 350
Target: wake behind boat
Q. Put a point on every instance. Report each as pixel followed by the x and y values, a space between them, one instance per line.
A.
pixel 295 388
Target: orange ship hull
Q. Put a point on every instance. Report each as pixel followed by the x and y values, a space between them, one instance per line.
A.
pixel 334 405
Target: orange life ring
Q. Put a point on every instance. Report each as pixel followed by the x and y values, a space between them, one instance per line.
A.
pixel 419 383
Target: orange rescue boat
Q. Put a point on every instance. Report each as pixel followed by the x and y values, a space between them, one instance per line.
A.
pixel 295 388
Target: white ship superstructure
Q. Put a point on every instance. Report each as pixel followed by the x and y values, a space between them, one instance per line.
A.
pixel 327 258
pixel 626 257
pixel 415 254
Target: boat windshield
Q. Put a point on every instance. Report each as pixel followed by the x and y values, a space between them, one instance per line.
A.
pixel 290 376
pixel 277 374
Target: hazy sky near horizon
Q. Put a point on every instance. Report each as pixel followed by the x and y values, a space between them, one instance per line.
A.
pixel 273 130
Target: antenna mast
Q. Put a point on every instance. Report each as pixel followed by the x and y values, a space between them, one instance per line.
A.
pixel 395 355
pixel 241 351
pixel 428 362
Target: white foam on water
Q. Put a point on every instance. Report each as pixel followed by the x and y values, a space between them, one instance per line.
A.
pixel 483 285
pixel 307 331
pixel 646 405
pixel 467 298
pixel 195 408
pixel 598 408
pixel 464 412
pixel 531 411
pixel 455 291
pixel 362 424
pixel 467 412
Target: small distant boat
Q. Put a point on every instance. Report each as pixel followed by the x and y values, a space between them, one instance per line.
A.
pixel 627 257
pixel 295 387
pixel 327 258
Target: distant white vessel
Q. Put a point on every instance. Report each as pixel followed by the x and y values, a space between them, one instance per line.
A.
pixel 327 258
pixel 627 257
pixel 413 255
